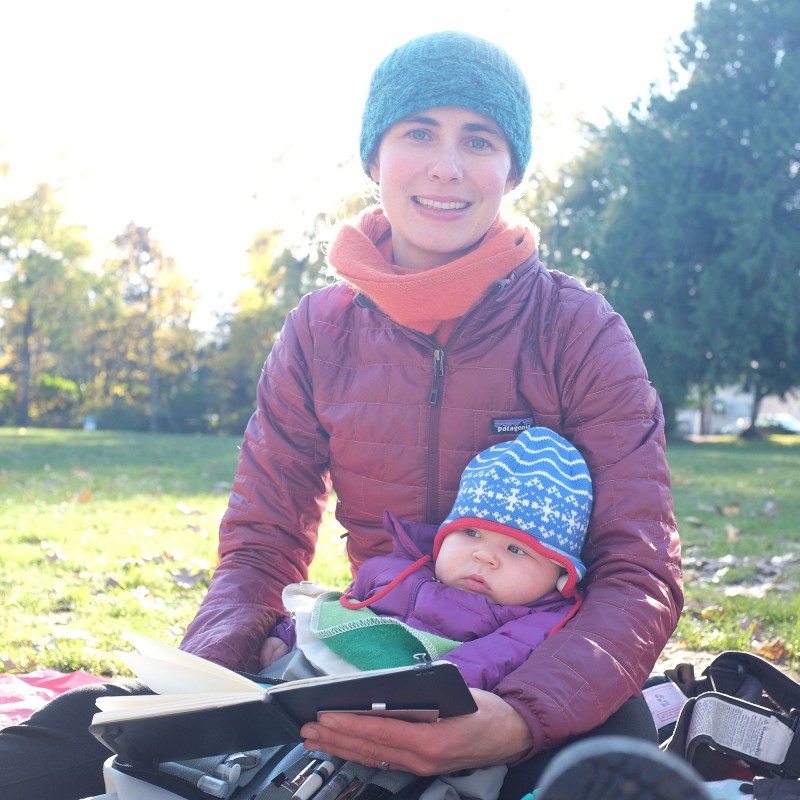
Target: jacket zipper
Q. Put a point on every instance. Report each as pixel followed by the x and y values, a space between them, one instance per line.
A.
pixel 438 374
pixel 434 398
pixel 433 441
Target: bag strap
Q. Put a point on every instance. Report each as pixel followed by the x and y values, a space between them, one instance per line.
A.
pixel 764 738
pixel 742 708
pixel 683 676
pixel 750 677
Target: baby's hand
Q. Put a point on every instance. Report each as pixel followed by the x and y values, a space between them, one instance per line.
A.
pixel 272 649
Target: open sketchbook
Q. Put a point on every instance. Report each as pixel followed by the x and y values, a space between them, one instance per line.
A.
pixel 203 709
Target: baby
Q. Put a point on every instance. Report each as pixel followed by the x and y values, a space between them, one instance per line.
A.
pixel 485 588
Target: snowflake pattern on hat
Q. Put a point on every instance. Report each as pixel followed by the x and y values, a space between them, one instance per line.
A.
pixel 539 485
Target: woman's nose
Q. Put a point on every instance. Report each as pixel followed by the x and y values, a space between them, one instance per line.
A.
pixel 446 164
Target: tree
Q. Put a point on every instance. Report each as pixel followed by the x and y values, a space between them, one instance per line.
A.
pixel 41 279
pixel 278 275
pixel 686 215
pixel 149 341
pixel 596 218
pixel 741 119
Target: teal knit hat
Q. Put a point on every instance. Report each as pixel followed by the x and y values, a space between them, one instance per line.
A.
pixel 535 488
pixel 449 68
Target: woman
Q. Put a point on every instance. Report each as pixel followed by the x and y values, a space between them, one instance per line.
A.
pixel 445 335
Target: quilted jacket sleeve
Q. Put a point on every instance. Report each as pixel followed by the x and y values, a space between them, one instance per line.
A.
pixel 633 588
pixel 268 533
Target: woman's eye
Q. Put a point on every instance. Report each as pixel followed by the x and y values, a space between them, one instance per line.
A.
pixel 418 135
pixel 479 143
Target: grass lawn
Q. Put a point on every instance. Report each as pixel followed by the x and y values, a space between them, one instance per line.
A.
pixel 107 532
pixel 738 509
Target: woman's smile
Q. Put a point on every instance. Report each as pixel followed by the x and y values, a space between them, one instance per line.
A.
pixel 441 205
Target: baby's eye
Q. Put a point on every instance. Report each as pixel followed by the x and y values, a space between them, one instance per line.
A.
pixel 512 548
pixel 472 532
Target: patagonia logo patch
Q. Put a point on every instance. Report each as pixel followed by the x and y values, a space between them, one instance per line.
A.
pixel 512 425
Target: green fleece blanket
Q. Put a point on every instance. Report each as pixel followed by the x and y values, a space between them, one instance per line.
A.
pixel 368 641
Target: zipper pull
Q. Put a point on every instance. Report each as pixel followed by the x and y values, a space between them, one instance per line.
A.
pixel 438 371
pixel 438 362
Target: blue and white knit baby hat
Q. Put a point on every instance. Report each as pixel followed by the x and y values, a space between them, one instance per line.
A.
pixel 538 486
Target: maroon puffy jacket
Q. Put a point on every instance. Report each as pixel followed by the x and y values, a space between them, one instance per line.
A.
pixel 390 419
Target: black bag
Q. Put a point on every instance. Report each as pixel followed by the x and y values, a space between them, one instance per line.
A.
pixel 273 773
pixel 740 717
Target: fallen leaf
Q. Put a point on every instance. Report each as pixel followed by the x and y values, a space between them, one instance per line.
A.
pixel 197 529
pixel 729 510
pixel 770 508
pixel 774 650
pixel 720 574
pixel 712 612
pixel 757 591
pixel 748 625
pixel 183 577
pixel 67 633
pixel 85 496
pixel 51 552
pixel 731 532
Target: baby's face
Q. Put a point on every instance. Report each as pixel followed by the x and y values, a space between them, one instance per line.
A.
pixel 506 570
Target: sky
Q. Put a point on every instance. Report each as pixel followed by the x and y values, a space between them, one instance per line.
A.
pixel 209 121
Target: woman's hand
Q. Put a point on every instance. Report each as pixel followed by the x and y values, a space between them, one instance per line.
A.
pixel 494 734
pixel 272 649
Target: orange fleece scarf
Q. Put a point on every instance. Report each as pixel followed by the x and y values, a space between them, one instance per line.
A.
pixel 423 299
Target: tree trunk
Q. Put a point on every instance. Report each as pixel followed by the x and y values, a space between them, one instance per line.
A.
pixel 152 379
pixel 24 381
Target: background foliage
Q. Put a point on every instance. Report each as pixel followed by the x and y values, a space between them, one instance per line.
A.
pixel 686 215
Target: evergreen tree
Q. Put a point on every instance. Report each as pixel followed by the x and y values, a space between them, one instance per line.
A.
pixel 687 214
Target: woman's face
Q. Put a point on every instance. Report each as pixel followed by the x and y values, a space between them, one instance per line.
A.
pixel 442 174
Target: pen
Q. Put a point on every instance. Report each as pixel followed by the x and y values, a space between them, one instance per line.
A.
pixel 333 788
pixel 301 776
pixel 314 781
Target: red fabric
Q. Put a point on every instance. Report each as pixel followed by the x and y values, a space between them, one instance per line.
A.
pixel 424 299
pixel 21 695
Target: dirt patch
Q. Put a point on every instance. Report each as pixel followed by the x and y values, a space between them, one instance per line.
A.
pixel 674 654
